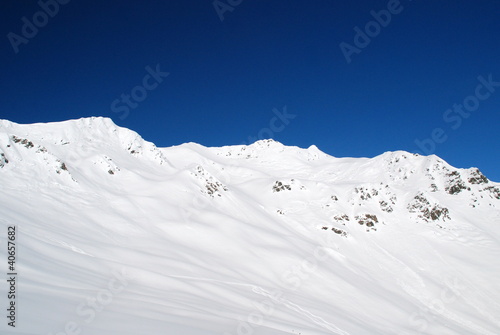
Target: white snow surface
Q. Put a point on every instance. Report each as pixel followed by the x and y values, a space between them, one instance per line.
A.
pixel 118 236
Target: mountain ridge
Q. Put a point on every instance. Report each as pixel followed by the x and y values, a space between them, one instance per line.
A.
pixel 264 239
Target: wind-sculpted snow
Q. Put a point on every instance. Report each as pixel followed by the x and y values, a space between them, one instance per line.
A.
pixel 117 236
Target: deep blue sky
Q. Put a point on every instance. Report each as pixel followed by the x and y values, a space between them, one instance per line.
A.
pixel 226 77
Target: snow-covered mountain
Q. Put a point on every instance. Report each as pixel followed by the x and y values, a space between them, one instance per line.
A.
pixel 118 236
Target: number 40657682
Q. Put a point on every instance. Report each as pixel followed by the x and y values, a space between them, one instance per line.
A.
pixel 11 248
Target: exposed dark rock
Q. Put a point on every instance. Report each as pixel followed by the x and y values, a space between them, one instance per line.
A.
pixel 495 191
pixel 3 160
pixel 455 183
pixel 279 186
pixel 368 220
pixel 28 144
pixel 478 178
pixel 384 205
pixel 426 211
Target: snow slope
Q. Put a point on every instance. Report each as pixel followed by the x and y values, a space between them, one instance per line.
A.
pixel 117 236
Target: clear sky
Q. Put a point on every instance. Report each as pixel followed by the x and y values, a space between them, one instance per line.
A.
pixel 358 78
